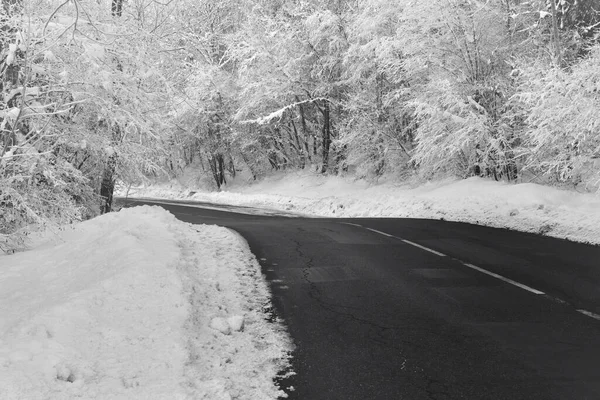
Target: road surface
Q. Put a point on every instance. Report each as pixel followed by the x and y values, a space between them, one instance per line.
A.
pixel 422 309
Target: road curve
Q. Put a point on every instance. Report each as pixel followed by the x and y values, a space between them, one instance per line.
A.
pixel 422 309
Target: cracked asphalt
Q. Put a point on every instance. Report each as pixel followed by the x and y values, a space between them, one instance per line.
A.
pixel 375 318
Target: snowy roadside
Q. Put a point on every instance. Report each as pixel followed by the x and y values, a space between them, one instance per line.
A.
pixel 525 207
pixel 137 305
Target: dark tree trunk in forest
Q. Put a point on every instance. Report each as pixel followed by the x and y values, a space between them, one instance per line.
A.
pixel 512 171
pixel 281 152
pixel 299 148
pixel 221 166
pixel 307 134
pixel 217 167
pixel 314 144
pixel 326 136
pixel 272 157
pixel 304 130
pixel 107 186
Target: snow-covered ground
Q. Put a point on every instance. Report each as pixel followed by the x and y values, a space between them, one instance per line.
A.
pixel 526 206
pixel 137 305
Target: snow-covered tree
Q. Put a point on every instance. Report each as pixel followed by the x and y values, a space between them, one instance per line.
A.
pixel 377 132
pixel 456 54
pixel 99 92
pixel 81 93
pixel 563 135
pixel 204 85
pixel 290 74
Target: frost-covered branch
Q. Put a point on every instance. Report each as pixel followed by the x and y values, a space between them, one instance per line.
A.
pixel 279 113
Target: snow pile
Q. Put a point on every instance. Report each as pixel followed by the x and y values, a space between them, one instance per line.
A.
pixel 121 308
pixel 526 206
pixel 234 352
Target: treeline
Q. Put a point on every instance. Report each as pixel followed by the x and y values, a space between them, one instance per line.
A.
pixel 500 88
pixel 83 103
pixel 106 91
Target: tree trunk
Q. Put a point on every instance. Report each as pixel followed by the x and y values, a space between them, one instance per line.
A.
pixel 298 146
pixel 217 167
pixel 231 167
pixel 107 186
pixel 278 144
pixel 326 136
pixel 555 35
pixel 221 168
pixel 304 130
pixel 272 157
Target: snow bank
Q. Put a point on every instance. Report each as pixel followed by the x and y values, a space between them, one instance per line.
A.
pixel 526 207
pixel 120 307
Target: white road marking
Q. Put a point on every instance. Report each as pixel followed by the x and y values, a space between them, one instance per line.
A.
pixel 381 233
pixel 476 268
pixel 423 247
pixel 507 280
pixel 399 238
pixel 590 314
pixel 556 299
pixel 525 287
pixel 351 224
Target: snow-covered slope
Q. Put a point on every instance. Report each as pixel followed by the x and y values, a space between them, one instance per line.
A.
pixel 525 206
pixel 128 306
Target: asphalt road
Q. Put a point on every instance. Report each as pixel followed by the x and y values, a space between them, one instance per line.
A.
pixel 437 310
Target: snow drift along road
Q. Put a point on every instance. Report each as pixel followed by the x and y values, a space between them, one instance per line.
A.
pixel 128 306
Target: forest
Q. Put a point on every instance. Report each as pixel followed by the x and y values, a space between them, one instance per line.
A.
pixel 96 93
